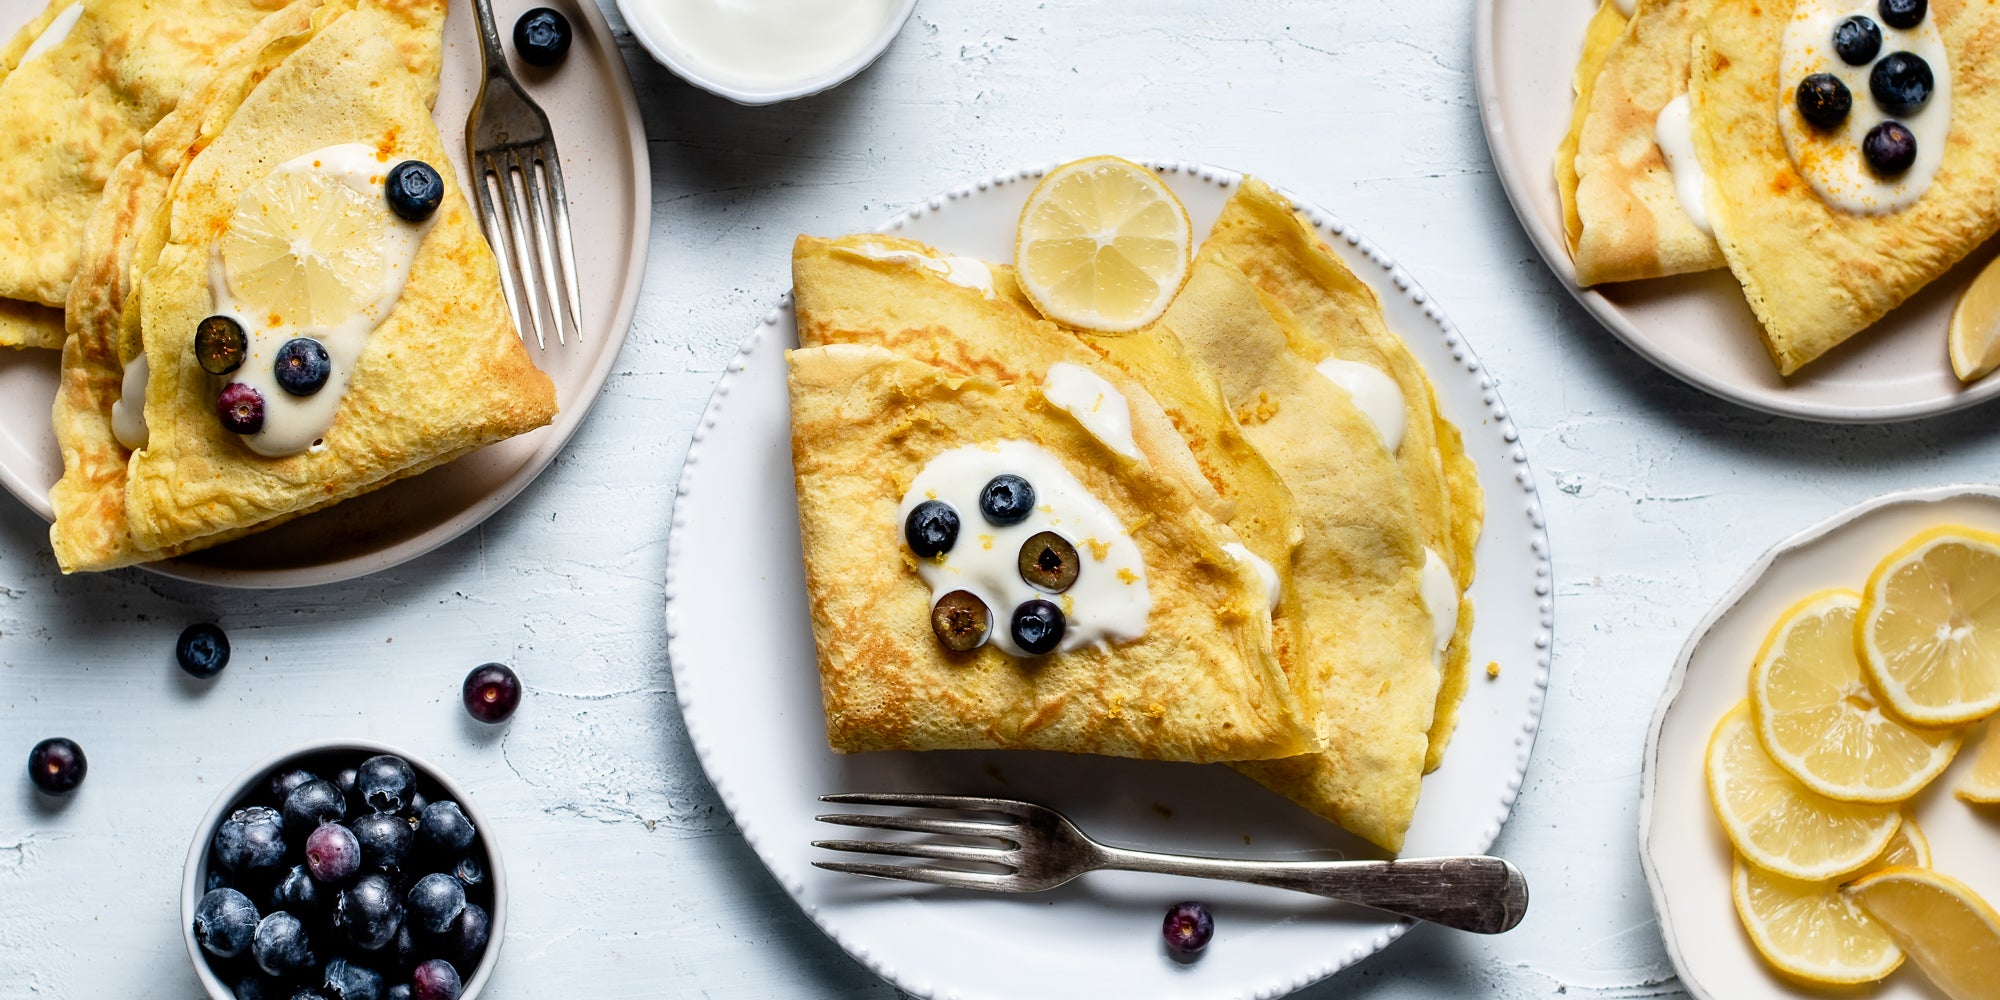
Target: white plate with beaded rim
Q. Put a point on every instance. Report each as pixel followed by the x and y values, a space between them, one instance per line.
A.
pixel 605 164
pixel 744 671
pixel 1697 326
pixel 1686 856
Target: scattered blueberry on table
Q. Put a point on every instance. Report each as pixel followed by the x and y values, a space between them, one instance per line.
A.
pixel 491 693
pixel 1188 927
pixel 57 765
pixel 542 37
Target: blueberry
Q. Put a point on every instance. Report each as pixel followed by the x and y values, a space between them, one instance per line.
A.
pixel 287 781
pixel 385 841
pixel 1038 626
pixel 219 345
pixel 1858 40
pixel 281 946
pixel 308 993
pixel 385 783
pixel 961 621
pixel 435 901
pixel 491 693
pixel 541 37
pixel 224 922
pixel 1048 562
pixel 1188 927
pixel 444 830
pixel 1823 100
pixel 1889 148
pixel 240 408
pixel 217 879
pixel 1903 13
pixel 251 842
pixel 368 912
pixel 348 981
pixel 931 529
pixel 57 765
pixel 300 896
pixel 470 871
pixel 435 980
pixel 345 780
pixel 303 366
pixel 415 807
pixel 257 986
pixel 465 940
pixel 1901 82
pixel 311 804
pixel 415 190
pixel 333 855
pixel 1007 499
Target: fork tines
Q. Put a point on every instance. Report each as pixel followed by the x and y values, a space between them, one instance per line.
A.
pixel 526 182
pixel 995 856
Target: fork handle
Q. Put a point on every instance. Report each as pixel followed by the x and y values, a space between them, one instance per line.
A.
pixel 492 54
pixel 1484 895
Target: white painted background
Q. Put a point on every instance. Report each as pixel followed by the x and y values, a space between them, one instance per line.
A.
pixel 628 878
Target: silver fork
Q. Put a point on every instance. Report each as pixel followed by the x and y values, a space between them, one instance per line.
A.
pixel 514 165
pixel 1040 848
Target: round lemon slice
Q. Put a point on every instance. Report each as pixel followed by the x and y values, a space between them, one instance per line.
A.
pixel 1780 825
pixel 1103 245
pixel 306 250
pixel 1951 933
pixel 1819 721
pixel 1809 930
pixel 1982 783
pixel 1929 633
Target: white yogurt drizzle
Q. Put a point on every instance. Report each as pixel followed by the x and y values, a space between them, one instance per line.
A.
pixel 1440 594
pixel 1109 601
pixel 1831 161
pixel 1375 394
pixel 1094 402
pixel 53 35
pixel 1273 589
pixel 293 424
pixel 1675 133
pixel 966 272
pixel 128 411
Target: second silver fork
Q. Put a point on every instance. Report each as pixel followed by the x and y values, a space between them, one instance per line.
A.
pixel 1035 848
pixel 522 206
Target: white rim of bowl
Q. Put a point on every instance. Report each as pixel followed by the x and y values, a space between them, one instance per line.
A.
pixel 496 869
pixel 1676 681
pixel 640 17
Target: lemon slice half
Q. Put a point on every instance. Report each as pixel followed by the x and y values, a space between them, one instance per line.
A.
pixel 1929 632
pixel 1974 337
pixel 306 250
pixel 1982 783
pixel 1818 719
pixel 1781 825
pixel 1951 933
pixel 1809 930
pixel 1103 245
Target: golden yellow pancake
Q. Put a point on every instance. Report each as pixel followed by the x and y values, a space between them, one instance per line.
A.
pixel 1604 28
pixel 1816 275
pixel 30 324
pixel 1632 223
pixel 1200 684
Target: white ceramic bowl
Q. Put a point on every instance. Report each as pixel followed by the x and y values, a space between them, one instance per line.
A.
pixel 648 22
pixel 195 875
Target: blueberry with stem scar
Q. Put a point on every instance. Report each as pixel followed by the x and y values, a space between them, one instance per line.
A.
pixel 1823 100
pixel 1890 149
pixel 415 190
pixel 1048 562
pixel 1858 40
pixel 303 366
pixel 219 345
pixel 1901 82
pixel 57 765
pixel 1007 499
pixel 931 529
pixel 1903 13
pixel 961 621
pixel 240 408
pixel 1038 627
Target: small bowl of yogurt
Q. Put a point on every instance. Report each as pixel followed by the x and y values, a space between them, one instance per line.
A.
pixel 766 51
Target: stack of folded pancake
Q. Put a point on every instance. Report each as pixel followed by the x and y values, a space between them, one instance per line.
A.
pixel 1340 692
pixel 143 124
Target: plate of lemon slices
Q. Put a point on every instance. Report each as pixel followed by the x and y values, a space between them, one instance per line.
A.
pixel 1821 800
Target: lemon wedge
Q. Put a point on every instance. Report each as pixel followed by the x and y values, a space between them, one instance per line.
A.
pixel 1780 825
pixel 1929 633
pixel 1951 933
pixel 1819 721
pixel 304 249
pixel 1809 930
pixel 1983 783
pixel 1103 245
pixel 1974 337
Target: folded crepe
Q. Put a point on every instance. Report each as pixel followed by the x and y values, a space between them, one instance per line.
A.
pixel 1816 275
pixel 1604 28
pixel 1368 677
pixel 441 375
pixel 1199 682
pixel 73 104
pixel 1631 220
pixel 1334 320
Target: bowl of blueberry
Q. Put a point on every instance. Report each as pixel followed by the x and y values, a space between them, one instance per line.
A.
pixel 344 870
